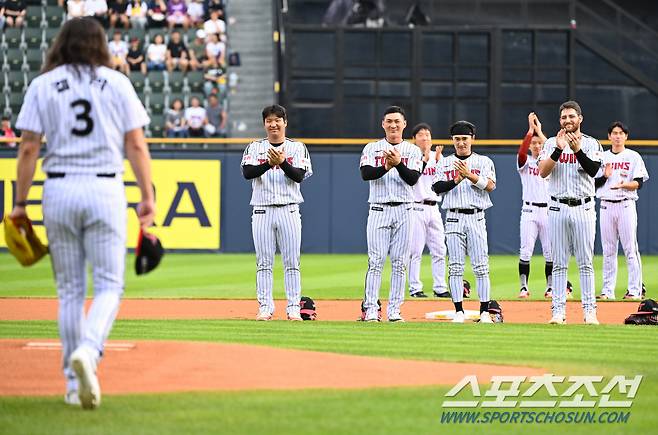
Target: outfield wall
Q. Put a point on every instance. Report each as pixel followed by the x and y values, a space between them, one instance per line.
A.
pixel 335 212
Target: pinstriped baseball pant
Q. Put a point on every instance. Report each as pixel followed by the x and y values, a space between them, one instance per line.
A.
pixel 427 228
pixel 280 226
pixel 388 232
pixel 467 234
pixel 572 229
pixel 85 219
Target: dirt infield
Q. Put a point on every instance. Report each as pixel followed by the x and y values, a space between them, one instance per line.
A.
pixel 33 368
pixel 414 310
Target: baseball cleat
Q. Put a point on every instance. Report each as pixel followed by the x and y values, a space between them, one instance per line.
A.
pixel 459 317
pixel 419 294
pixel 557 320
pixel 264 316
pixel 396 318
pixel 630 297
pixel 442 295
pixel 590 318
pixel 548 294
pixel 294 318
pixel 71 398
pixel 524 293
pixel 89 390
pixel 603 297
pixel 371 319
pixel 485 317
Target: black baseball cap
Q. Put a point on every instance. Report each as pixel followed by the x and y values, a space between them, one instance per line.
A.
pixel 148 253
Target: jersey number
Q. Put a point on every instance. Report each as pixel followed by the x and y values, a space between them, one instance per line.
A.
pixel 83 117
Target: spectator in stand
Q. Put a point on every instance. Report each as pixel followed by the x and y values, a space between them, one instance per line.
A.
pixel 156 54
pixel 216 115
pixel 196 12
pixel 118 10
pixel 196 118
pixel 97 9
pixel 216 5
pixel 156 13
pixel 136 13
pixel 215 52
pixel 14 12
pixel 214 25
pixel 135 57
pixel 214 81
pixel 2 14
pixel 6 131
pixel 118 51
pixel 75 9
pixel 175 123
pixel 177 14
pixel 177 53
pixel 197 51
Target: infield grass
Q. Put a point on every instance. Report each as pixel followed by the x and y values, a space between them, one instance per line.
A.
pixel 324 276
pixel 571 350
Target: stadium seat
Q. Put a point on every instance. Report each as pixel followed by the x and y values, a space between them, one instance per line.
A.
pixel 136 32
pixel 33 37
pixel 51 33
pixel 156 127
pixel 195 81
pixel 35 2
pixel 54 16
pixel 13 59
pixel 33 16
pixel 137 79
pixel 155 81
pixel 31 75
pixel 34 59
pixel 15 102
pixel 176 81
pixel 157 102
pixel 3 81
pixel 13 37
pixel 50 2
pixel 16 81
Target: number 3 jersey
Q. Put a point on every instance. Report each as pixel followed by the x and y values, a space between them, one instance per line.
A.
pixel 79 112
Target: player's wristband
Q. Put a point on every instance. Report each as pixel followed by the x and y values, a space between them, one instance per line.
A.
pixel 21 204
pixel 482 182
pixel 556 154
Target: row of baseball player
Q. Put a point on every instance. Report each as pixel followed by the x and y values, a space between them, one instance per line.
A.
pixel 407 181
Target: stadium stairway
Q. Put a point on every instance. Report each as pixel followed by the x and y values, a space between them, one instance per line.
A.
pixel 251 36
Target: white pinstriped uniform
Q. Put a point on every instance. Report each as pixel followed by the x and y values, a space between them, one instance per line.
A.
pixel 388 229
pixel 276 221
pixel 572 228
pixel 467 233
pixel 618 220
pixel 427 228
pixel 534 219
pixel 85 120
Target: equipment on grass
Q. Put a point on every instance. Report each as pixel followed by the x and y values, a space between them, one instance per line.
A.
pixel 467 289
pixel 148 253
pixel 496 311
pixel 22 242
pixel 647 314
pixel 307 308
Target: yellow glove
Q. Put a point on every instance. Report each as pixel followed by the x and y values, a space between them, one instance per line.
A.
pixel 22 242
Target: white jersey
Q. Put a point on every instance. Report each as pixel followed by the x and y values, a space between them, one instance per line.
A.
pixel 274 187
pixel 626 166
pixel 391 187
pixel 535 188
pixel 422 191
pixel 466 194
pixel 84 118
pixel 568 179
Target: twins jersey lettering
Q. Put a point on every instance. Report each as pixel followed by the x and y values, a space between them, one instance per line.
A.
pixel 535 188
pixel 390 187
pixel 466 194
pixel 568 179
pixel 274 187
pixel 626 166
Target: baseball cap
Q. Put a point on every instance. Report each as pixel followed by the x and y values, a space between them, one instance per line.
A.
pixel 200 34
pixel 148 253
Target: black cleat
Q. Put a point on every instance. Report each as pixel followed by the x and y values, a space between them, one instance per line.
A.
pixel 419 294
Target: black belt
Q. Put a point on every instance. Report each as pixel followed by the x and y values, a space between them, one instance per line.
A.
pixel 466 210
pixel 536 204
pixel 571 202
pixel 614 200
pixel 62 175
pixel 277 205
pixel 427 202
pixel 394 204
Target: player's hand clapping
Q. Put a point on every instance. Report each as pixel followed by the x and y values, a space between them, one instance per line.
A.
pixel 574 141
pixel 438 151
pixel 275 157
pixel 561 139
pixel 393 158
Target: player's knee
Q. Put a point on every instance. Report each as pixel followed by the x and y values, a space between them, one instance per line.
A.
pixel 481 270
pixel 456 269
pixel 586 269
pixel 398 266
pixel 559 269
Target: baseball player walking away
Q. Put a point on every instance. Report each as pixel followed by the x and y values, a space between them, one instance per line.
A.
pixel 391 166
pixel 572 159
pixel 623 175
pixel 426 223
pixel 534 210
pixel 277 166
pixel 92 117
pixel 466 178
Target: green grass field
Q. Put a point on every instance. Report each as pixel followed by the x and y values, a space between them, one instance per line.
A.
pixel 233 276
pixel 606 350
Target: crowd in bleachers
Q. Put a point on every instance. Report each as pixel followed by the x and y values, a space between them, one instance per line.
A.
pixel 174 51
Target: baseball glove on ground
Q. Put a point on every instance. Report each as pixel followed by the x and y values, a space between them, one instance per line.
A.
pixel 22 242
pixel 307 308
pixel 647 314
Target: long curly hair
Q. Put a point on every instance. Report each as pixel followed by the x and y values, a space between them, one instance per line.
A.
pixel 80 43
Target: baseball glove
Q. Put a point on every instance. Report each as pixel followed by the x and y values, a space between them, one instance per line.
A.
pixel 307 308
pixel 148 253
pixel 467 289
pixel 647 314
pixel 495 311
pixel 22 242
